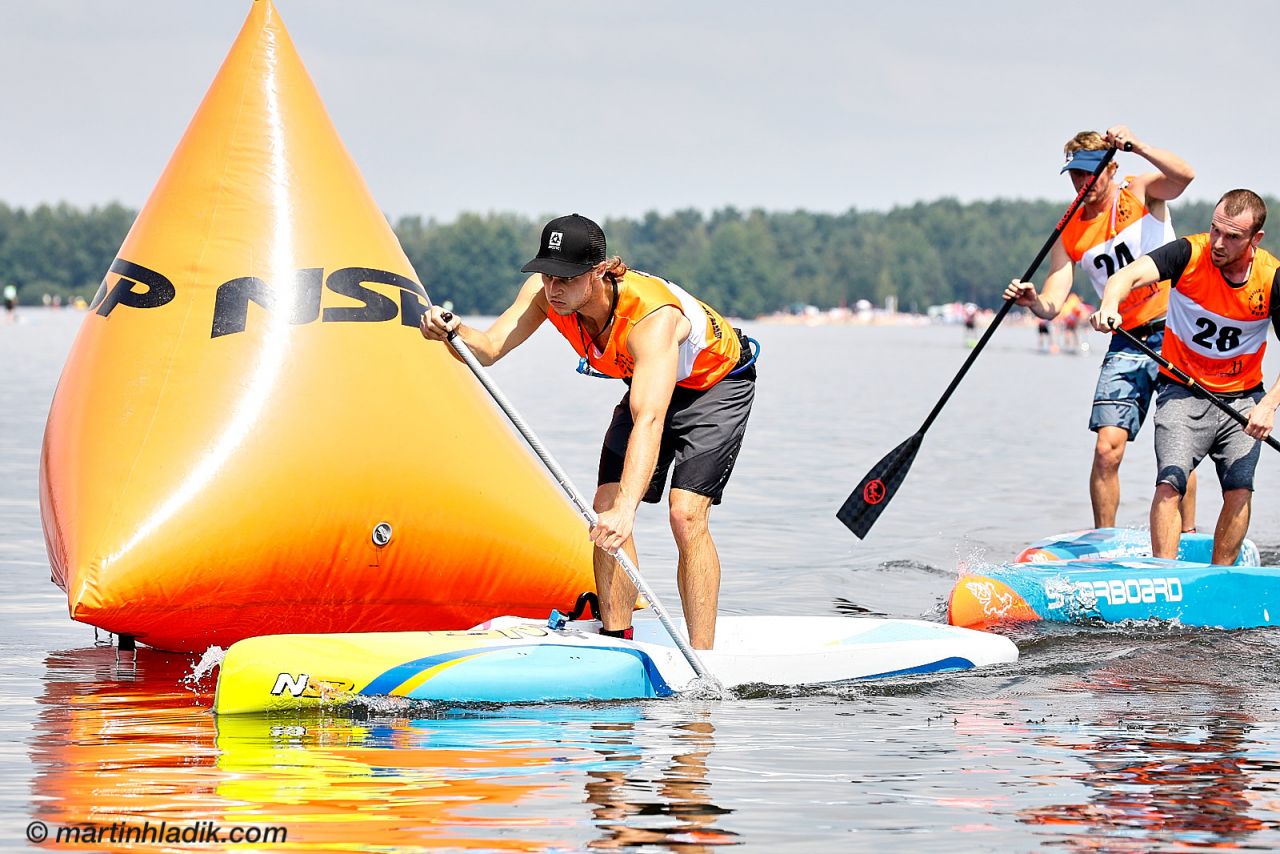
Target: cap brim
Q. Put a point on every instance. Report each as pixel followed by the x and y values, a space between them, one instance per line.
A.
pixel 555 267
pixel 1081 164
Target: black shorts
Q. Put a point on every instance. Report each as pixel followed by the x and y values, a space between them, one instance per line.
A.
pixel 702 435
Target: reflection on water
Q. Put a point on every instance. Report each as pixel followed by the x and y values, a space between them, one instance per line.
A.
pixel 1151 783
pixel 1133 738
pixel 673 810
pixel 1160 773
pixel 1154 780
pixel 127 741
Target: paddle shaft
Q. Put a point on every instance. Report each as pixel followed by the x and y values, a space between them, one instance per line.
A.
pixel 624 560
pixel 1031 271
pixel 1191 383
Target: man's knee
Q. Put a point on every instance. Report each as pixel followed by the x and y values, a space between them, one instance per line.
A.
pixel 689 514
pixel 1108 451
pixel 1167 493
pixel 1236 498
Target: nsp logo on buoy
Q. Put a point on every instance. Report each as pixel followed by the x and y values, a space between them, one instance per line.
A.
pixel 137 286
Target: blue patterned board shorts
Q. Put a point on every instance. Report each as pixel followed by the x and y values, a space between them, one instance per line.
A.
pixel 1126 384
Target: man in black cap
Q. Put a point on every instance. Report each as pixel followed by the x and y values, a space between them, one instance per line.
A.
pixel 691 383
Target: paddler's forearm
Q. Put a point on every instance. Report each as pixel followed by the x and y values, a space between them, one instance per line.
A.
pixel 1141 272
pixel 640 460
pixel 1118 287
pixel 479 344
pixel 1271 399
pixel 1177 172
pixel 1053 297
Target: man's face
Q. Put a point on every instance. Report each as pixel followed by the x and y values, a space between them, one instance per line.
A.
pixel 567 295
pixel 1100 191
pixel 1231 238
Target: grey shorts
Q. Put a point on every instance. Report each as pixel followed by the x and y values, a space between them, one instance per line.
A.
pixel 700 438
pixel 1189 429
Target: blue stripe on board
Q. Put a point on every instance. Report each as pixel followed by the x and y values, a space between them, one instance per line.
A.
pixel 954 662
pixel 389 680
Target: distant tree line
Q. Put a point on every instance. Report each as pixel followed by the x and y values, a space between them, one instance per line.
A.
pixel 745 263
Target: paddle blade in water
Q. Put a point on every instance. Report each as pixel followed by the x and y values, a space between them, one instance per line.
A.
pixel 863 506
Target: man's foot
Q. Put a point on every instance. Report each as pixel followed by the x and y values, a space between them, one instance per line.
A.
pixel 626 634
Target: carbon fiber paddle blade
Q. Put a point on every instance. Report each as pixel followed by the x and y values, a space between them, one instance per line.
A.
pixel 864 505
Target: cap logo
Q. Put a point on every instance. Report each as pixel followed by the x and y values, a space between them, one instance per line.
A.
pixel 553 242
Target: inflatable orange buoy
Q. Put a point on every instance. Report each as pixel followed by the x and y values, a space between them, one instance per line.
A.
pixel 250 436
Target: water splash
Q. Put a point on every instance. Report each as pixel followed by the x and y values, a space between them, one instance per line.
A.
pixel 703 688
pixel 971 559
pixel 212 658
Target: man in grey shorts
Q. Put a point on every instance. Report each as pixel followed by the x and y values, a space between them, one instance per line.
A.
pixel 691 383
pixel 1223 298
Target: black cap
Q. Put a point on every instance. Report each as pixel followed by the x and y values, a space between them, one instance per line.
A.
pixel 570 246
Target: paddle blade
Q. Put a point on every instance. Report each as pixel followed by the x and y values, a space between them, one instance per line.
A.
pixel 863 506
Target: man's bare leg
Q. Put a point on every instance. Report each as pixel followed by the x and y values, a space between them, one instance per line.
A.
pixel 1166 522
pixel 698 575
pixel 1104 479
pixel 1188 506
pixel 1233 524
pixel 615 591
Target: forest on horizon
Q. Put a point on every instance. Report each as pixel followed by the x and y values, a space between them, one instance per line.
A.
pixel 745 263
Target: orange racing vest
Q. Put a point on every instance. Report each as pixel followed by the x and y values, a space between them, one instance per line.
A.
pixel 1104 244
pixel 709 353
pixel 1217 332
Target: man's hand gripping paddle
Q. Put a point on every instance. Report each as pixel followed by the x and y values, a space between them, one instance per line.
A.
pixel 865 504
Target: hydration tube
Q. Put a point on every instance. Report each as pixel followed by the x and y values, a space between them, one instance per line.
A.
pixel 754 346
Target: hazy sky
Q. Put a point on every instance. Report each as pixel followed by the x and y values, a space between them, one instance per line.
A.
pixel 619 108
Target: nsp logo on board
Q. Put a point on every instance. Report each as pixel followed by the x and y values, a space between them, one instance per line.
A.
pixel 303 685
pixel 1117 591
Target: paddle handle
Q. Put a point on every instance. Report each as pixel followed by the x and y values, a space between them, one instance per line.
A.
pixel 1031 271
pixel 1190 382
pixel 584 508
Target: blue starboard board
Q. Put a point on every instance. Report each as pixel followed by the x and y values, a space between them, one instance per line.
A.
pixel 1117 583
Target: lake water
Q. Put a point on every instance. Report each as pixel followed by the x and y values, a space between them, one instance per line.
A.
pixel 1120 739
